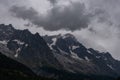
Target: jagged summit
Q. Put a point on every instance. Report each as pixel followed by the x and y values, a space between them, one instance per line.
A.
pixel 30 49
pixel 70 51
pixel 61 52
pixel 6 28
pixel 68 35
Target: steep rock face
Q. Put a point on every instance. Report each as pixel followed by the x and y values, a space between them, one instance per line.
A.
pixel 28 48
pixel 6 32
pixel 77 58
pixel 60 53
pixel 13 69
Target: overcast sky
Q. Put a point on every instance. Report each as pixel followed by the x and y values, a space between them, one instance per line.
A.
pixel 95 23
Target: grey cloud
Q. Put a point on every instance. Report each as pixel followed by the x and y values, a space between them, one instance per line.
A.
pixel 24 13
pixel 53 2
pixel 71 17
pixel 111 7
pixel 103 16
pixel 28 25
pixel 105 29
pixel 10 3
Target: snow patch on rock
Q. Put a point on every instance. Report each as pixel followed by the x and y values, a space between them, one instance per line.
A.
pixel 89 52
pixel 3 42
pixel 19 42
pixel 74 55
pixel 110 66
pixel 74 47
pixel 87 59
pixel 17 52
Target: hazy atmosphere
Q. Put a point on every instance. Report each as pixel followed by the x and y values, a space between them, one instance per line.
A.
pixel 96 23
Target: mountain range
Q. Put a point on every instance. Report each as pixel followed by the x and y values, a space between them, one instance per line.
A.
pixel 61 57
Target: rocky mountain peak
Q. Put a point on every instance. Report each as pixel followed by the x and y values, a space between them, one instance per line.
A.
pixel 6 27
pixel 6 31
pixel 68 47
pixel 69 36
pixel 30 49
pixel 58 51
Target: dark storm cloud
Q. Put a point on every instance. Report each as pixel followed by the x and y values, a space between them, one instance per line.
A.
pixel 71 17
pixel 24 13
pixel 53 2
pixel 104 23
pixel 102 16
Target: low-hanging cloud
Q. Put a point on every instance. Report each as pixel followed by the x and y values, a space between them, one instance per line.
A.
pixel 70 17
pixel 102 23
pixel 53 2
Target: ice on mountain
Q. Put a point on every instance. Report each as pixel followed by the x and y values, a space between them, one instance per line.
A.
pixel 74 55
pixel 74 47
pixel 54 41
pixel 17 52
pixel 63 52
pixel 89 52
pixel 98 57
pixel 87 59
pixel 110 66
pixel 3 42
pixel 19 42
pixel 26 45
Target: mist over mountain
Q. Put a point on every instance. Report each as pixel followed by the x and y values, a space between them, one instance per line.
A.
pixel 61 57
pixel 77 58
pixel 59 39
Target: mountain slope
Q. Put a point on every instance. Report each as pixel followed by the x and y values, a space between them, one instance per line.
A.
pixel 13 70
pixel 10 64
pixel 30 49
pixel 75 57
pixel 62 57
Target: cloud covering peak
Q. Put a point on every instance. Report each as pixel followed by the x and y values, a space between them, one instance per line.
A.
pixel 96 21
pixel 70 17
